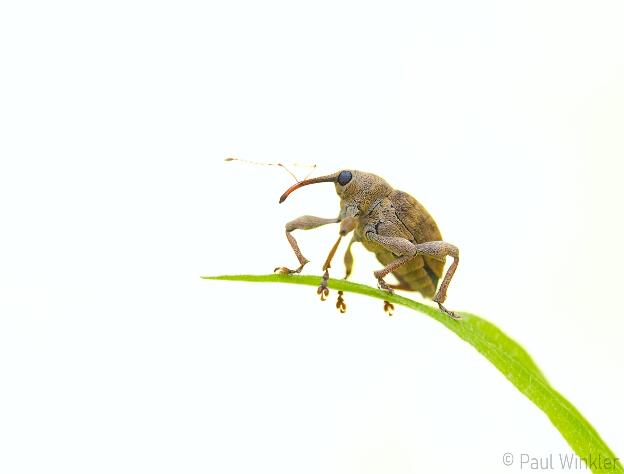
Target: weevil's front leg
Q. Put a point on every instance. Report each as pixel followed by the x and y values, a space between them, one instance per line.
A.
pixel 348 262
pixel 323 290
pixel 407 251
pixel 302 223
pixel 346 226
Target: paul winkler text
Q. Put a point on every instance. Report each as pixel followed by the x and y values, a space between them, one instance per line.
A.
pixel 566 461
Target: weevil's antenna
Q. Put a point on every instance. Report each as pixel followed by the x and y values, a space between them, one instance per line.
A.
pixel 281 165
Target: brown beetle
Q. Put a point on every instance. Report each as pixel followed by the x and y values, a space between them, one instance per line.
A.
pixel 390 223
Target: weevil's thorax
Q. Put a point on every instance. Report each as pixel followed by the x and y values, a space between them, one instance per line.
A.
pixel 364 190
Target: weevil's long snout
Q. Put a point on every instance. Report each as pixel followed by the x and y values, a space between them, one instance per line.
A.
pixel 330 178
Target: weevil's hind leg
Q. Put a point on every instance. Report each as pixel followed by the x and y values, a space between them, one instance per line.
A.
pixel 440 250
pixel 302 223
pixel 398 246
pixel 407 251
pixel 440 296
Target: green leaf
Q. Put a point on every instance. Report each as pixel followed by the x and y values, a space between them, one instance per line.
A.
pixel 502 351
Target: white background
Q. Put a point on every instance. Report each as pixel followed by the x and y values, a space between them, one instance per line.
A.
pixel 505 120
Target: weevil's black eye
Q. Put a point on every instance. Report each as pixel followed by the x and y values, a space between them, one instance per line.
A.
pixel 344 177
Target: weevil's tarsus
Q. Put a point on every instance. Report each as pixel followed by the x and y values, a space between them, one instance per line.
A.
pixel 382 285
pixel 340 303
pixel 388 308
pixel 288 271
pixel 281 165
pixel 452 314
pixel 323 290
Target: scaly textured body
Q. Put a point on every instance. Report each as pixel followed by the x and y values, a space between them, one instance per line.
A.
pixel 401 215
pixel 391 224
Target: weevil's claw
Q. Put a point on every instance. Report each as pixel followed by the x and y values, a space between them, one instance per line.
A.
pixel 452 314
pixel 388 308
pixel 288 271
pixel 382 285
pixel 340 304
pixel 322 289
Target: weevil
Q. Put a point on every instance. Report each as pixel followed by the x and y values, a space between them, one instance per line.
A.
pixel 391 224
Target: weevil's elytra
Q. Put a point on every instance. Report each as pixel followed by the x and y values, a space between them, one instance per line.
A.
pixel 391 224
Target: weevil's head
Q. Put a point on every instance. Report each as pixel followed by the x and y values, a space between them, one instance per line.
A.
pixel 351 185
